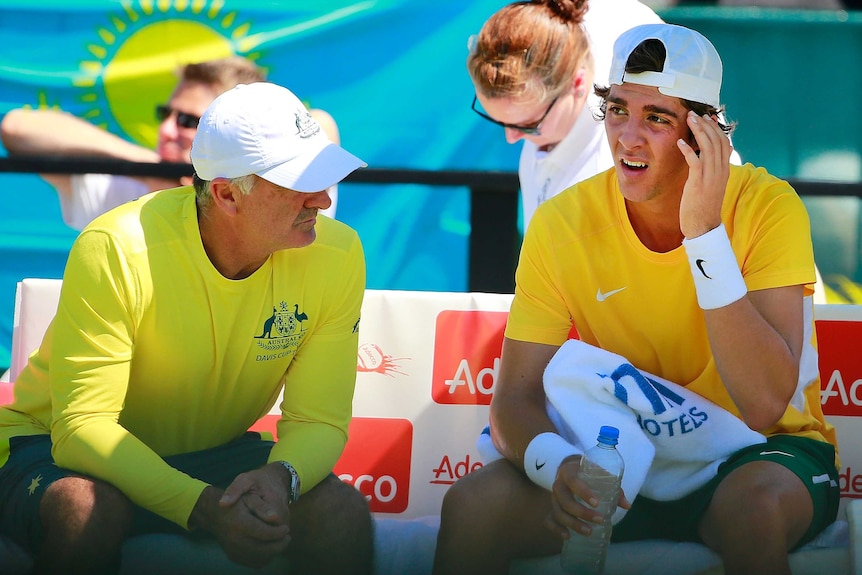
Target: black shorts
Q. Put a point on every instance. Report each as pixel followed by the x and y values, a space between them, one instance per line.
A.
pixel 30 469
pixel 811 460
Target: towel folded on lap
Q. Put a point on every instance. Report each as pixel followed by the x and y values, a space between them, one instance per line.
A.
pixel 671 439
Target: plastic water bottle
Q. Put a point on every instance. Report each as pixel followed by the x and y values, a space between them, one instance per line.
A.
pixel 602 469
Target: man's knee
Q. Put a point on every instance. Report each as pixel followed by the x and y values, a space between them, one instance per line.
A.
pixel 332 507
pixel 82 507
pixel 461 496
pixel 84 523
pixel 478 494
pixel 758 502
pixel 331 530
pixel 335 496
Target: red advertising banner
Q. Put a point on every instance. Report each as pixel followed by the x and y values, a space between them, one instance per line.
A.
pixel 467 356
pixel 838 344
pixel 376 461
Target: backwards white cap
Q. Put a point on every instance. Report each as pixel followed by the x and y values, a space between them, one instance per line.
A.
pixel 692 68
pixel 264 129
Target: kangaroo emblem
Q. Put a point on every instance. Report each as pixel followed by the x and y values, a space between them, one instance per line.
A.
pixel 267 327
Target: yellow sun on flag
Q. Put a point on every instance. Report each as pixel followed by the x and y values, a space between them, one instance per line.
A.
pixel 136 57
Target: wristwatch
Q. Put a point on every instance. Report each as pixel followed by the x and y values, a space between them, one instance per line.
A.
pixel 294 482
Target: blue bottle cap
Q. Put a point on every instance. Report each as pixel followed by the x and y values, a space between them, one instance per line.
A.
pixel 609 435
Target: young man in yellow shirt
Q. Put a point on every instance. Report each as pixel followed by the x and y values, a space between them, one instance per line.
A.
pixel 694 270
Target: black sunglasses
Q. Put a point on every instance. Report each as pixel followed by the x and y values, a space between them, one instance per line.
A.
pixel 534 130
pixel 163 112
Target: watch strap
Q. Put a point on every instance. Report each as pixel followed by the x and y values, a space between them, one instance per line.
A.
pixel 294 482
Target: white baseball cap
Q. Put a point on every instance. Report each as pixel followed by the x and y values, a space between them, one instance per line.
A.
pixel 264 129
pixel 692 67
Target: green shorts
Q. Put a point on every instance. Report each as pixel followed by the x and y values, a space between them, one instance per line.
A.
pixel 813 462
pixel 30 470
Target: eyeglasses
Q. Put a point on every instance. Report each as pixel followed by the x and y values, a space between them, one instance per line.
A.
pixel 163 112
pixel 534 130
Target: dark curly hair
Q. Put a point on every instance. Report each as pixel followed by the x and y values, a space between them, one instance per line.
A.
pixel 649 56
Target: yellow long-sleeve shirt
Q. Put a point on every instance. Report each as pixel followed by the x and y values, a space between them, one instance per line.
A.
pixel 153 353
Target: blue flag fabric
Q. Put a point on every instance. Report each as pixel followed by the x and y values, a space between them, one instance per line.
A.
pixel 391 72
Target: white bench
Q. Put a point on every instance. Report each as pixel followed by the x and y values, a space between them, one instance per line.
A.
pixel 427 367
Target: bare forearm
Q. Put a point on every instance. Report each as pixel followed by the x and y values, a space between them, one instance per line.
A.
pixel 758 366
pixel 36 132
pixel 755 336
pixel 515 421
pixel 518 411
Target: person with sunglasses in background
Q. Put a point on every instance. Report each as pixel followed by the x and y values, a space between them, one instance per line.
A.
pixel 85 196
pixel 533 65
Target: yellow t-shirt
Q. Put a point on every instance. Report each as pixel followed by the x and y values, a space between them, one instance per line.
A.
pixel 582 264
pixel 153 353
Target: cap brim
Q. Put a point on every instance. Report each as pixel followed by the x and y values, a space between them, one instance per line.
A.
pixel 314 171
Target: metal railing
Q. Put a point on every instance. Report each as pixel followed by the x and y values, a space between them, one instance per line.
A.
pixel 494 239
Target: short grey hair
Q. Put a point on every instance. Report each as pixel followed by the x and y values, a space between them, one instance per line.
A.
pixel 202 187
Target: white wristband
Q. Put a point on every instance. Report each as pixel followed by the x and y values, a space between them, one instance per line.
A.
pixel 543 457
pixel 717 279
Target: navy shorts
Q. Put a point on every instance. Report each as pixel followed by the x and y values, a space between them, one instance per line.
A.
pixel 30 469
pixel 811 460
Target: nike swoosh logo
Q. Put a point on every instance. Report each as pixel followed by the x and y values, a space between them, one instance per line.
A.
pixel 700 267
pixel 540 465
pixel 603 296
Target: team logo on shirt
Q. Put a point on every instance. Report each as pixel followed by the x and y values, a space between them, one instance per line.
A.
pixel 282 332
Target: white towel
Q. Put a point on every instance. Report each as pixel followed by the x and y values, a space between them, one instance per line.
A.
pixel 672 440
pixel 486 448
